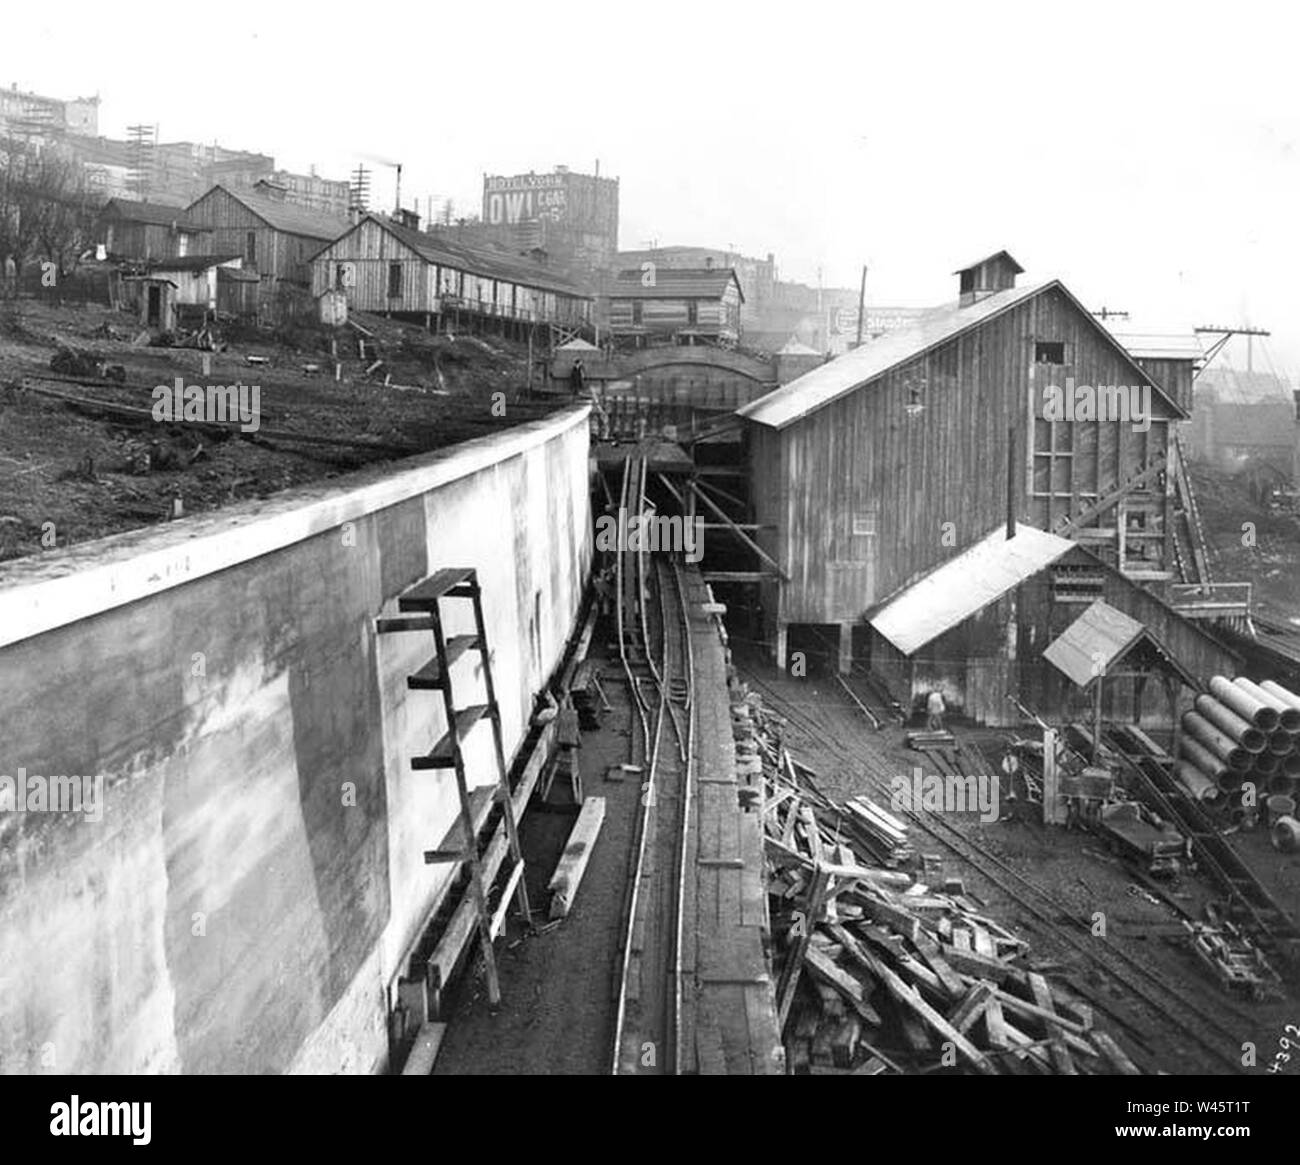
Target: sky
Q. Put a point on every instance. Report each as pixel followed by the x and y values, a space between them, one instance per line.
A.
pixel 1146 153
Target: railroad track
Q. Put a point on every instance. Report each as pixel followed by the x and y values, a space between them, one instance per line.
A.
pixel 648 1025
pixel 1152 988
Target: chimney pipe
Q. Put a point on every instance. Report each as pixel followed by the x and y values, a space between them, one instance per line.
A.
pixel 398 209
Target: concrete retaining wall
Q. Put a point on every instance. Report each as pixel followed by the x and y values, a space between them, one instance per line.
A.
pixel 240 897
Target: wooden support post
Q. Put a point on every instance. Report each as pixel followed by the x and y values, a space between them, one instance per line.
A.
pixel 1053 812
pixel 1096 722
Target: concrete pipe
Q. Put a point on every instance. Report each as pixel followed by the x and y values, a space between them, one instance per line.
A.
pixel 1279 785
pixel 1291 765
pixel 1288 717
pixel 1219 743
pixel 1286 835
pixel 1281 742
pixel 1288 697
pixel 1261 715
pixel 1209 764
pixel 1267 763
pixel 1195 783
pixel 1228 722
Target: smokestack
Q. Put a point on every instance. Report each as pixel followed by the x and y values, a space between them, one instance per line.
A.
pixel 398 208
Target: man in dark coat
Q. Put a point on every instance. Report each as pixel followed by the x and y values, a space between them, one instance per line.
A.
pixel 577 378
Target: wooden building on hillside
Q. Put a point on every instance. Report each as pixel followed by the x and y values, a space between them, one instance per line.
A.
pixel 276 239
pixel 872 470
pixel 679 306
pixel 385 267
pixel 148 230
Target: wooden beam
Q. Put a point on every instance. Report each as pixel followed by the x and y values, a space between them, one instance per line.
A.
pixel 745 538
pixel 577 852
pixel 425 1052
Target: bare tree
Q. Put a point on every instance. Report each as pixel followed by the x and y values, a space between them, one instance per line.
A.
pixel 46 210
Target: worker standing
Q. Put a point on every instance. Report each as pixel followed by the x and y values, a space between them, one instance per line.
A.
pixel 934 708
pixel 577 378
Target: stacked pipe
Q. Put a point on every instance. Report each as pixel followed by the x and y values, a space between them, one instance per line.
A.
pixel 1241 732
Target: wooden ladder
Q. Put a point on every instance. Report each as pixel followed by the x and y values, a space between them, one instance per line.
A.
pixel 423 601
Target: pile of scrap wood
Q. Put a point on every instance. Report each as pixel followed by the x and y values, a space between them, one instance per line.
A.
pixel 878 972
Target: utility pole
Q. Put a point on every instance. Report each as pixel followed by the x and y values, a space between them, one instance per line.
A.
pixel 862 300
pixel 1105 313
pixel 1224 335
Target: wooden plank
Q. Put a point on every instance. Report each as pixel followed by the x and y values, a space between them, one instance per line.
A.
pixel 911 998
pixel 1061 1058
pixel 792 970
pixel 577 852
pixel 971 1007
pixel 822 968
pixel 424 1054
pixel 1114 1054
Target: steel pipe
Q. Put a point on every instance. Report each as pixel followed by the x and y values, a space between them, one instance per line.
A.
pixel 1288 717
pixel 1261 715
pixel 1227 721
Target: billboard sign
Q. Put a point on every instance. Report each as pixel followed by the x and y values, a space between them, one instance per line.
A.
pixel 524 198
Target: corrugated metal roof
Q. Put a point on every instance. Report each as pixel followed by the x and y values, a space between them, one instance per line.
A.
pixel 676 283
pixel 956 589
pixel 818 388
pixel 1093 642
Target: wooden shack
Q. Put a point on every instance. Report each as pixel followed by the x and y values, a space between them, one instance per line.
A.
pixel 975 629
pixel 275 239
pixel 676 305
pixel 180 290
pixel 147 230
pixel 875 467
pixel 383 266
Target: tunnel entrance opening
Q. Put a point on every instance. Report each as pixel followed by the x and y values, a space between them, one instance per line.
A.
pixel 814 648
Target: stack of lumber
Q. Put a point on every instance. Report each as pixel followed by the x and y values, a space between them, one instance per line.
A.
pixel 878 972
pixel 883 835
pixel 929 738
